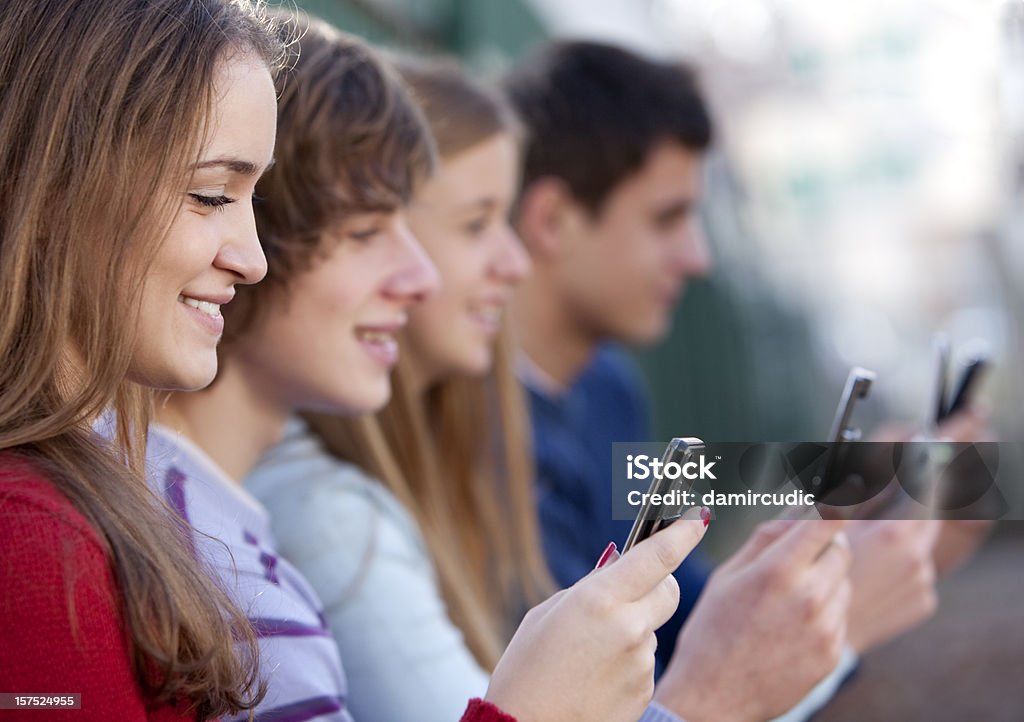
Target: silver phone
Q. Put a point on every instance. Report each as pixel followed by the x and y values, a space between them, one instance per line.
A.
pixel 651 517
pixel 858 386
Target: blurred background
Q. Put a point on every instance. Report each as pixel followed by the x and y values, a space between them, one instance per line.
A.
pixel 864 193
pixel 862 196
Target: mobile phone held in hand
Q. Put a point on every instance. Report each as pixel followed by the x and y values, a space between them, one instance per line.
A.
pixel 653 517
pixel 963 390
pixel 945 400
pixel 858 386
pixel 936 402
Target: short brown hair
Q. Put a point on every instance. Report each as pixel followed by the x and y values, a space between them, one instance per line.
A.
pixel 350 139
pixel 594 112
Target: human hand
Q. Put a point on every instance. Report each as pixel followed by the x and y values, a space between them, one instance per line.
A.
pixel 769 626
pixel 960 538
pixel 893 578
pixel 970 424
pixel 587 653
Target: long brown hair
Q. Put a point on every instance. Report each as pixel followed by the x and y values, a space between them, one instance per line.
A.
pixel 350 140
pixel 102 111
pixel 459 456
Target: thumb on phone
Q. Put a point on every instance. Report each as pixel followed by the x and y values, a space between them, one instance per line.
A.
pixel 634 575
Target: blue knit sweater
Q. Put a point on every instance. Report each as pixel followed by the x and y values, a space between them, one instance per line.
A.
pixel 573 434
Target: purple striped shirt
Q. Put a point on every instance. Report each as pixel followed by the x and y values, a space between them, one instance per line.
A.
pixel 298 656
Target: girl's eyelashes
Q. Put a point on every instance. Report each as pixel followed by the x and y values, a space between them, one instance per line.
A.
pixel 364 235
pixel 477 226
pixel 218 201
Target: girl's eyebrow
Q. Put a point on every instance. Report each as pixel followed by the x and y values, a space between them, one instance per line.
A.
pixel 485 202
pixel 235 165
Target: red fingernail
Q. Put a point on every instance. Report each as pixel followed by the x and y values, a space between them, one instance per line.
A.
pixel 705 516
pixel 608 550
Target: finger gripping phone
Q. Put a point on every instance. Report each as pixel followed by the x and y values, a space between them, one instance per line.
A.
pixel 653 517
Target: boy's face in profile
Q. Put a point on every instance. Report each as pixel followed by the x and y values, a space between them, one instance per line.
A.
pixel 626 266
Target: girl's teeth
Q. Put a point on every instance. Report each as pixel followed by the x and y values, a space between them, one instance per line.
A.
pixel 491 315
pixel 375 336
pixel 210 309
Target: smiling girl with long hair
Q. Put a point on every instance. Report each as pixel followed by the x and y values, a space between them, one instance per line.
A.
pixel 109 113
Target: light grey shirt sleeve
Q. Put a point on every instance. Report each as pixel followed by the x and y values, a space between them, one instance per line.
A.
pixel 364 555
pixel 656 713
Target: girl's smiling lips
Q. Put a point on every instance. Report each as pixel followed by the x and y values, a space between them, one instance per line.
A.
pixel 205 309
pixel 487 317
pixel 379 342
pixel 487 311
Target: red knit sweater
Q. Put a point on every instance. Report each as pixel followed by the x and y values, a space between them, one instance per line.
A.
pixel 50 559
pixel 482 711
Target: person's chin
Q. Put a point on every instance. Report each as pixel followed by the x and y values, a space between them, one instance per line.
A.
pixel 199 353
pixel 651 334
pixel 378 401
pixel 373 395
pixel 204 375
pixel 185 379
pixel 477 364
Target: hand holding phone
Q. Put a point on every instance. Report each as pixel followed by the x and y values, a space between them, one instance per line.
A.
pixel 941 405
pixel 858 386
pixel 653 517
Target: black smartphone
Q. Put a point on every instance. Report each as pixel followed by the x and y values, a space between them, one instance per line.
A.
pixel 963 390
pixel 858 386
pixel 936 402
pixel 651 517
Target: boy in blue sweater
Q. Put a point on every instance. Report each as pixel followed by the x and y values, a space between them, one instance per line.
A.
pixel 612 180
pixel 611 183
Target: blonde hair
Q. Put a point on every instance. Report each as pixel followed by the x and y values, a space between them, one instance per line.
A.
pixel 459 456
pixel 102 110
pixel 460 460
